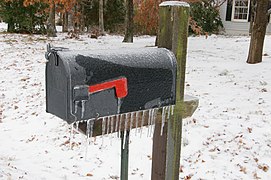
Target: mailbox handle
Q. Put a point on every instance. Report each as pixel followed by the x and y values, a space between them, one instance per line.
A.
pixel 119 84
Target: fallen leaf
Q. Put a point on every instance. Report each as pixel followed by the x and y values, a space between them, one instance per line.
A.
pixel 181 169
pixel 187 177
pixel 194 121
pixel 256 160
pixel 89 174
pixel 25 78
pixel 31 139
pixel 264 90
pixel 243 169
pixel 114 177
pixel 265 168
pixel 255 175
pixel 65 143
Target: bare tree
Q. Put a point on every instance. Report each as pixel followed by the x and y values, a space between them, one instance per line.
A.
pixel 51 25
pixel 129 22
pixel 258 32
pixel 65 21
pixel 101 17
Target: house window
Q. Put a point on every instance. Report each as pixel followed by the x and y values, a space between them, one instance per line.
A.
pixel 240 10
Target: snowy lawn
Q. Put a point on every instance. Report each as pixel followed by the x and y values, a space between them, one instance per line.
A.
pixel 229 136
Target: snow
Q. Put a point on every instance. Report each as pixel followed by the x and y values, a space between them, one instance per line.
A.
pixel 228 137
pixel 174 3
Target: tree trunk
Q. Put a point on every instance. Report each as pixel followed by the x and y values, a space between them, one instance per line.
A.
pixel 65 22
pixel 11 27
pixel 51 26
pixel 82 19
pixel 252 14
pixel 101 17
pixel 258 32
pixel 129 21
pixel 74 19
pixel 54 16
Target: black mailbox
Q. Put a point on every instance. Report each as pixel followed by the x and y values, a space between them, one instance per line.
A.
pixel 83 85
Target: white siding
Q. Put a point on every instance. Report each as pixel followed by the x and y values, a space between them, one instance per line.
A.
pixel 236 28
pixel 222 11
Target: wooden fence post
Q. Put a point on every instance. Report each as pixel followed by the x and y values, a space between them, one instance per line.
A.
pixel 173 33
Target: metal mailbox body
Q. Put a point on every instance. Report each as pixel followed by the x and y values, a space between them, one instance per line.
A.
pixel 82 85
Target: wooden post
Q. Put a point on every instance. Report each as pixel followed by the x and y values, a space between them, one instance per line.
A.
pixel 159 152
pixel 124 155
pixel 173 32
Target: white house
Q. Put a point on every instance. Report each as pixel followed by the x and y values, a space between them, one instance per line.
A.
pixel 235 16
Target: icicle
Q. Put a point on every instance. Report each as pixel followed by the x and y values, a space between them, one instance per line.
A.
pixel 153 117
pixel 83 137
pixel 168 113
pixel 155 114
pixel 117 122
pixel 91 128
pixel 103 129
pixel 150 126
pixel 87 137
pixel 83 108
pixel 112 124
pixel 120 125
pixel 136 126
pixel 76 107
pixel 77 126
pixel 163 120
pixel 126 121
pixel 119 105
pixel 103 125
pixel 142 121
pixel 172 109
pixel 149 121
pixel 88 126
pixel 125 129
pixel 131 120
pixel 107 126
pixel 124 139
pixel 71 134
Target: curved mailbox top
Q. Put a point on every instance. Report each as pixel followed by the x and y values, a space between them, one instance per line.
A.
pixel 87 84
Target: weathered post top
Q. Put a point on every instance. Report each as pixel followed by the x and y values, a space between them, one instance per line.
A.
pixel 174 3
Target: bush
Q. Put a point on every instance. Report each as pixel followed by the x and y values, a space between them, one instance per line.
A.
pixel 91 13
pixel 114 15
pixel 205 16
pixel 146 17
pixel 23 19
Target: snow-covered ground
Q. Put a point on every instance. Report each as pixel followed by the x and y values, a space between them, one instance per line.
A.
pixel 229 136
